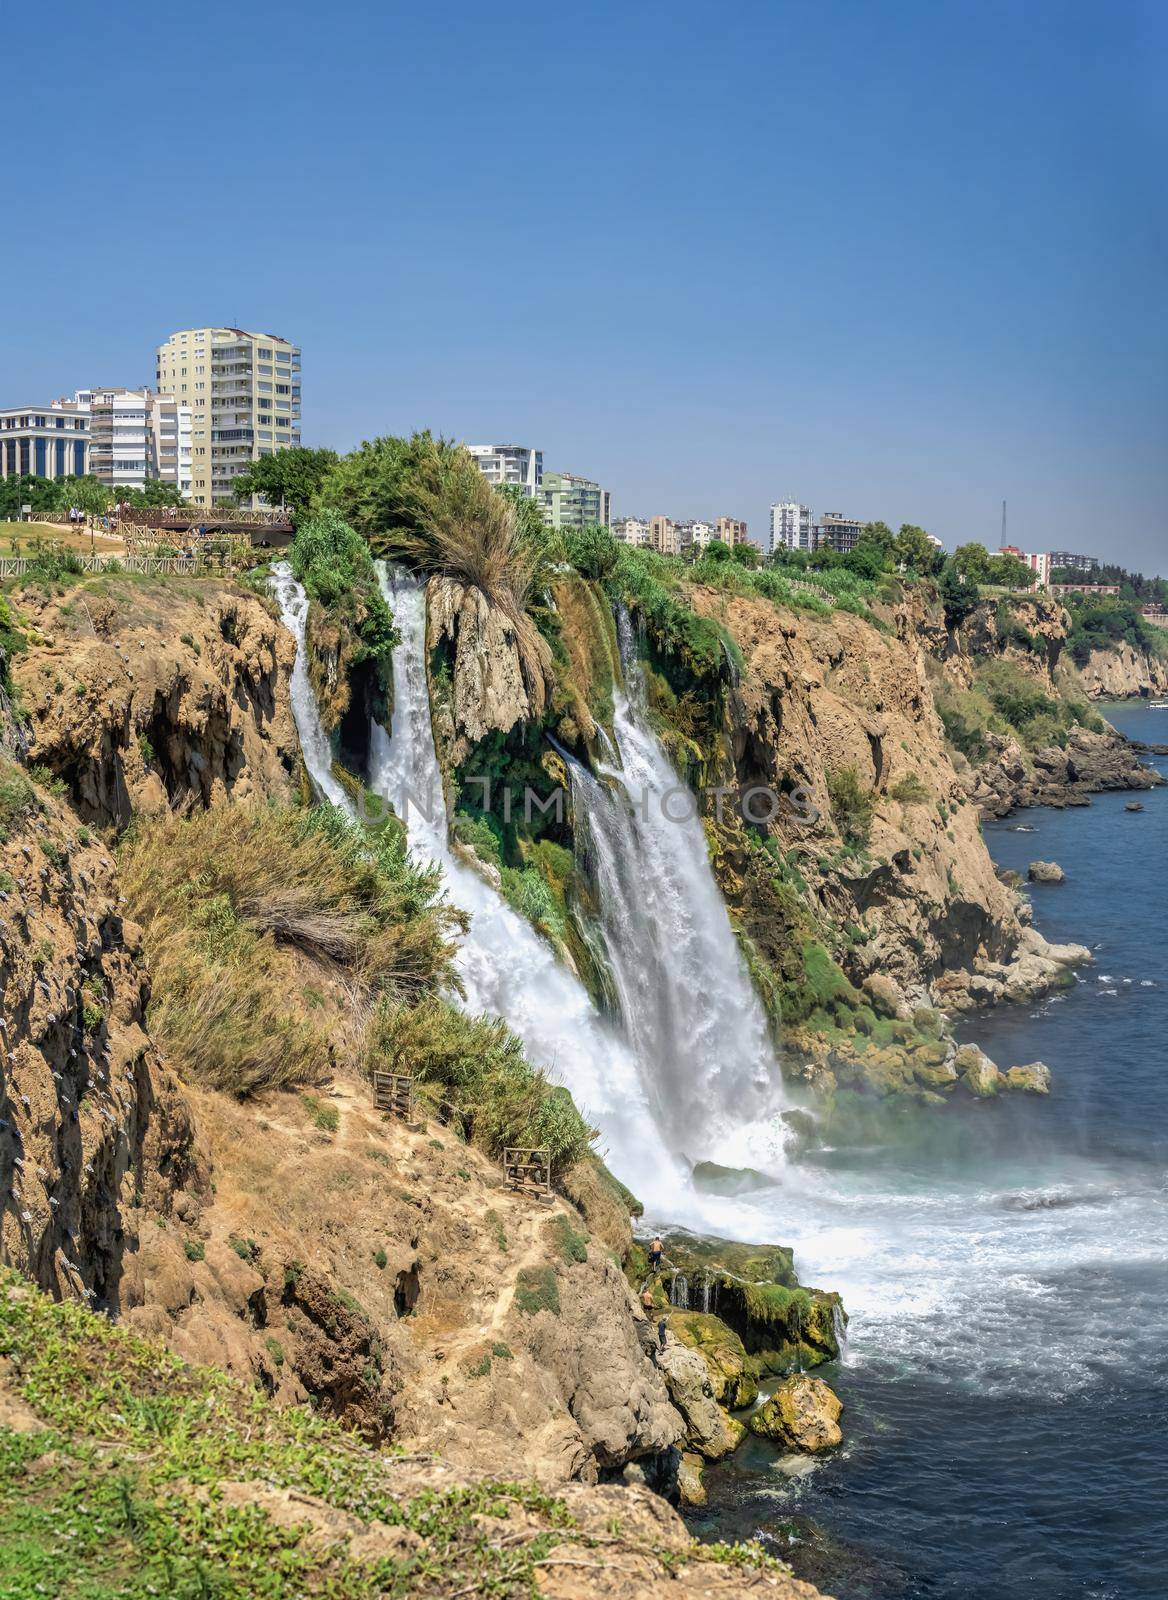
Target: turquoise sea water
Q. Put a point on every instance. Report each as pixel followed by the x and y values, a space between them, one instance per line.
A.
pixel 1006 1377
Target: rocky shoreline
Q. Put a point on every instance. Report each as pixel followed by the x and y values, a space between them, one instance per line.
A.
pixel 1059 776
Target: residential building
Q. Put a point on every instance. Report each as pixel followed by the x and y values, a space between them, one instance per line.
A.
pixel 697 536
pixel 243 391
pixel 136 435
pixel 1067 561
pixel 1092 590
pixel 515 464
pixel 837 532
pixel 731 531
pixel 1040 564
pixel 631 530
pixel 46 441
pixel 568 501
pixel 791 527
pixel 663 536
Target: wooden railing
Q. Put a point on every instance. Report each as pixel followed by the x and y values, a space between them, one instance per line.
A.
pixel 20 566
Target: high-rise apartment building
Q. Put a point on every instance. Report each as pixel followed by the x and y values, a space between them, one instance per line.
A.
pixel 731 531
pixel 1068 561
pixel 791 527
pixel 837 532
pixel 47 441
pixel 663 536
pixel 136 435
pixel 510 464
pixel 569 501
pixel 631 530
pixel 243 391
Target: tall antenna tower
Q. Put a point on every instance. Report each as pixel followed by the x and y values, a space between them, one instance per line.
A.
pixel 1002 546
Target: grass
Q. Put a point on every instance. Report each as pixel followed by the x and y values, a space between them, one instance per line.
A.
pixel 26 538
pixel 536 1290
pixel 852 806
pixel 247 909
pixel 119 1493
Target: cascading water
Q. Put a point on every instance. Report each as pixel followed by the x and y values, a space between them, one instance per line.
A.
pixel 688 1003
pixel 318 756
pixel 506 969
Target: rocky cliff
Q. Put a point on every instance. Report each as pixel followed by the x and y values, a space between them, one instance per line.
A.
pixel 143 694
pixel 95 1134
pixel 1124 673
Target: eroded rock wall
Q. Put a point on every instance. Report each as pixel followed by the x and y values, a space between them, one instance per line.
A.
pixel 144 695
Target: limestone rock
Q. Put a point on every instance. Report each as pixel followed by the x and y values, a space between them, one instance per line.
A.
pixel 691 1490
pixel 802 1414
pixel 978 1073
pixel 1033 1079
pixel 488 690
pixel 1045 872
pixel 708 1429
pixel 724 1354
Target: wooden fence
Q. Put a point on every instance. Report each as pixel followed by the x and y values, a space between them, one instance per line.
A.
pixel 20 566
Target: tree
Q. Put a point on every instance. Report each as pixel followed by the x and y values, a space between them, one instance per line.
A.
pixel 1005 569
pixel 593 550
pixel 973 562
pixel 152 493
pixel 879 534
pixel 959 594
pixel 717 550
pixel 291 478
pixel 375 486
pixel 915 551
pixel 746 554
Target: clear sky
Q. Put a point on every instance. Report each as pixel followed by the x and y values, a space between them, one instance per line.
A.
pixel 893 258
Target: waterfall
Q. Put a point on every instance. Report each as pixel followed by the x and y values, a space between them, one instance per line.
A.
pixel 506 968
pixel 314 741
pixel 688 1004
pixel 679 1291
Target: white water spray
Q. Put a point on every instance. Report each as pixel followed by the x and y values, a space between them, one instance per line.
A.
pixel 507 969
pixel 690 1009
pixel 318 755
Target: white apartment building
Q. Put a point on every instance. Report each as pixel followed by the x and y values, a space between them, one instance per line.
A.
pixel 632 530
pixel 136 435
pixel 516 464
pixel 791 527
pixel 46 441
pixel 243 391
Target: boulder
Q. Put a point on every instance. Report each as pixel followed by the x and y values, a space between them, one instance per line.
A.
pixel 802 1414
pixel 977 1072
pixel 708 1429
pixel 1045 872
pixel 887 996
pixel 1134 805
pixel 690 1488
pixel 1031 1079
pixel 722 1351
pixel 711 1178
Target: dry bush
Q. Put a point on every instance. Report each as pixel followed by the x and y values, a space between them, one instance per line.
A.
pixel 270 932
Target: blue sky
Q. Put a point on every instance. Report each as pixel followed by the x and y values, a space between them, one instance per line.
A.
pixel 896 259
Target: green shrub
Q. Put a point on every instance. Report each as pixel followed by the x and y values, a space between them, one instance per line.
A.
pixel 536 1290
pixel 567 1243
pixel 235 900
pixel 194 1249
pixel 909 790
pixel 479 1066
pixel 852 805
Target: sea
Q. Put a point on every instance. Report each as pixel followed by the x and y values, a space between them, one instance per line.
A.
pixel 1005 1376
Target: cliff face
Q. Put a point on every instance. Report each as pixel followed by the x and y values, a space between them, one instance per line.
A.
pixel 141 695
pixel 95 1135
pixel 1123 673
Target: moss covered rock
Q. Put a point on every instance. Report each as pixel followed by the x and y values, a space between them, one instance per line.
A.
pixel 724 1354
pixel 802 1414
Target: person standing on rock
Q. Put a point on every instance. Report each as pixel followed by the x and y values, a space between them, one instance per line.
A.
pixel 656 1251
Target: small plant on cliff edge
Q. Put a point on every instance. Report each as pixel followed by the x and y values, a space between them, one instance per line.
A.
pixel 909 790
pixel 852 805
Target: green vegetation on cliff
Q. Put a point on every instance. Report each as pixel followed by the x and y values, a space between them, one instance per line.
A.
pixel 333 563
pixel 129 1475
